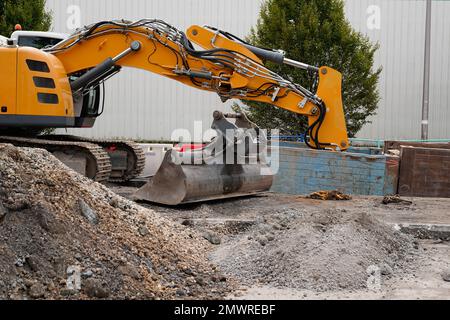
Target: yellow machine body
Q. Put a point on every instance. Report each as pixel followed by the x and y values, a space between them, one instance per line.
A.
pixel 34 89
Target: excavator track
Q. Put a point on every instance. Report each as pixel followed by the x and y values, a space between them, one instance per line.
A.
pixel 97 165
pixel 127 157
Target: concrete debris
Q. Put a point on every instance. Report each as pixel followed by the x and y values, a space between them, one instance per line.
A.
pixel 212 237
pixel 37 291
pixel 3 212
pixel 87 274
pixel 95 289
pixel 321 250
pixel 19 262
pixel 143 231
pixel 64 236
pixel 130 271
pixel 386 269
pixel 427 231
pixel 396 200
pixel 87 212
pixel 262 241
pixel 446 276
pixel 293 243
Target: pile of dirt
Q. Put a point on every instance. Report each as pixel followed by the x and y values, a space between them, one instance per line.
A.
pixel 58 228
pixel 320 250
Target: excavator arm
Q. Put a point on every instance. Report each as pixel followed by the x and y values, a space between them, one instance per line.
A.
pixel 226 65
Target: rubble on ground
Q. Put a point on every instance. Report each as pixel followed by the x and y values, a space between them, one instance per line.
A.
pixel 330 195
pixel 64 236
pixel 395 199
pixel 291 242
pixel 446 276
pixel 315 250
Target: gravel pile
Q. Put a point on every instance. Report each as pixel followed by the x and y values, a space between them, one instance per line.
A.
pixel 63 236
pixel 317 250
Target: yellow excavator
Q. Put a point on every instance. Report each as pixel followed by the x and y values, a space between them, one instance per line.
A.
pixel 63 87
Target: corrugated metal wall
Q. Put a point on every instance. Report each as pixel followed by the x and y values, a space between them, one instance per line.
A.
pixel 146 106
pixel 440 71
pixel 402 37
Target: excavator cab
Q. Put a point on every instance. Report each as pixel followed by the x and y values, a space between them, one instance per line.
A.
pixel 87 107
pixel 36 39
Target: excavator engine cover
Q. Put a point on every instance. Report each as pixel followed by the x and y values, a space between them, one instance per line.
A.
pixel 180 180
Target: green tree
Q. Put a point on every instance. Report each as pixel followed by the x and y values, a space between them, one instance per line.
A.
pixel 31 15
pixel 317 32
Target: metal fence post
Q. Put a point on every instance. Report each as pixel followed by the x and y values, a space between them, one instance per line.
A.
pixel 426 76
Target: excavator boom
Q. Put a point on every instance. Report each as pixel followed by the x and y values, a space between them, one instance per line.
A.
pixel 227 66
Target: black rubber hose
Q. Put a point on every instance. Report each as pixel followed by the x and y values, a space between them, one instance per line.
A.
pixel 268 55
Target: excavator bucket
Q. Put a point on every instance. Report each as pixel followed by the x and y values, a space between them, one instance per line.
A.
pixel 180 180
pixel 176 184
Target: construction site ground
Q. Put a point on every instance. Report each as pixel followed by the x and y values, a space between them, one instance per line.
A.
pixel 64 236
pixel 291 247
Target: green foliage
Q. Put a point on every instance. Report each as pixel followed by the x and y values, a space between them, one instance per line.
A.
pixel 31 15
pixel 317 32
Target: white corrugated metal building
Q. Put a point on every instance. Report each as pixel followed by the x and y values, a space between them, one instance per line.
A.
pixel 140 105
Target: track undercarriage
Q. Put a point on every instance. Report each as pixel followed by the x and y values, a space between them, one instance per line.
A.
pixel 99 160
